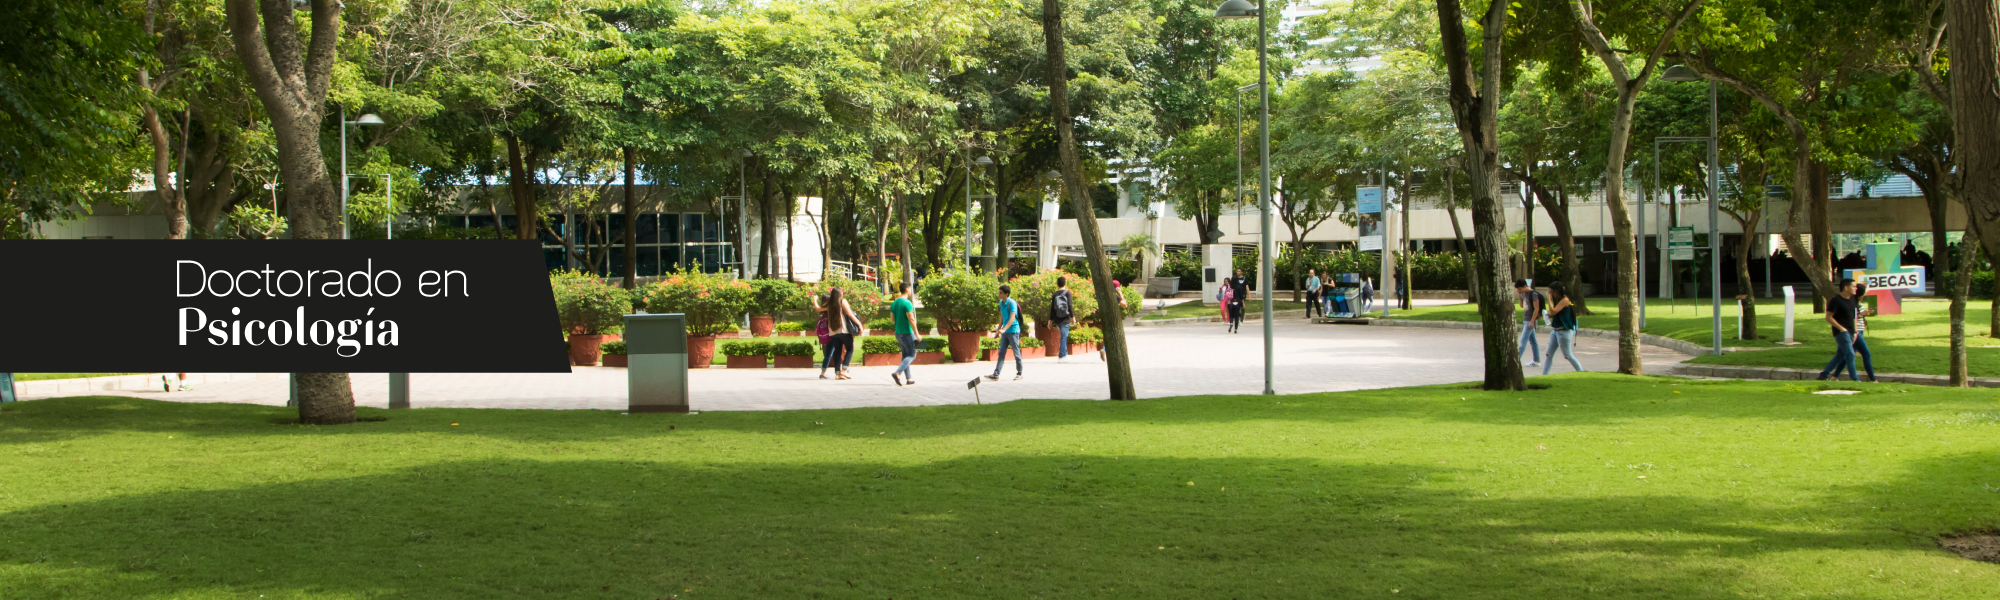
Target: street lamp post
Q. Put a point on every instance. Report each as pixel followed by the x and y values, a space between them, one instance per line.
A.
pixel 981 162
pixel 367 119
pixel 1682 73
pixel 1242 9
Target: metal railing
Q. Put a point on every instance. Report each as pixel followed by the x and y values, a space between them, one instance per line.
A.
pixel 1023 241
pixel 852 272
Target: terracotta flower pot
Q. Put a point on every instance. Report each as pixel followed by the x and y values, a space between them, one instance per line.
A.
pixel 930 358
pixel 964 345
pixel 881 360
pixel 1075 349
pixel 762 326
pixel 1032 353
pixel 728 334
pixel 790 333
pixel 583 350
pixel 747 362
pixel 617 360
pixel 701 351
pixel 793 362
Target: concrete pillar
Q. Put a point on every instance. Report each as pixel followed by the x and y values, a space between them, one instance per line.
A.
pixel 1216 261
pixel 1045 242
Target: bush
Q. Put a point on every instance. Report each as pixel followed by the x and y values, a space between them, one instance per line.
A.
pixel 790 326
pixel 880 345
pixel 1031 342
pixel 929 324
pixel 772 296
pixel 862 296
pixel 791 348
pixel 1086 335
pixel 936 344
pixel 1183 265
pixel 613 348
pixel 1124 271
pixel 1981 288
pixel 745 348
pixel 882 324
pixel 588 305
pixel 1135 302
pixel 989 343
pixel 711 301
pixel 962 301
pixel 1034 291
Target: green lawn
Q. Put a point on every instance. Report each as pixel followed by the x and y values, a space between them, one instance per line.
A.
pixel 1916 341
pixel 1599 487
pixel 1195 308
pixel 43 376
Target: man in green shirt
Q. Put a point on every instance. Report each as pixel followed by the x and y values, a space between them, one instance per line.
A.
pixel 904 311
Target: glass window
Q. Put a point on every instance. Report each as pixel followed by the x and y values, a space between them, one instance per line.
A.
pixel 544 230
pixel 649 261
pixel 713 233
pixel 617 260
pixel 711 258
pixel 670 228
pixel 649 228
pixel 691 227
pixel 614 228
pixel 670 259
pixel 554 256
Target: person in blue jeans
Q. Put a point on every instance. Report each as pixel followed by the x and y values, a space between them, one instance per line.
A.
pixel 1531 314
pixel 1861 312
pixel 903 310
pixel 1010 334
pixel 1562 320
pixel 1061 310
pixel 1841 311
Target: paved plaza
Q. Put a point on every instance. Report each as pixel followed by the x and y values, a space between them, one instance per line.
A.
pixel 1176 360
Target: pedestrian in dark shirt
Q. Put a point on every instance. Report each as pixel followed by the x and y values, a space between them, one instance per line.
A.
pixel 1840 314
pixel 1239 289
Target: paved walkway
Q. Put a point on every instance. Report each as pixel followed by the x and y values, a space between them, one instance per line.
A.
pixel 1168 361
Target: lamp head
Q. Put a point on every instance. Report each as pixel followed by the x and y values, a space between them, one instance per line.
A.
pixel 982 161
pixel 1236 9
pixel 368 119
pixel 1053 174
pixel 1680 73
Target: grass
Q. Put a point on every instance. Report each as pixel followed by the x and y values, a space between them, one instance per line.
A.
pixel 1600 486
pixel 1916 341
pixel 1195 308
pixel 46 376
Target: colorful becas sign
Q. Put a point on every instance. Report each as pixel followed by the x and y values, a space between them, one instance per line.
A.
pixel 1886 278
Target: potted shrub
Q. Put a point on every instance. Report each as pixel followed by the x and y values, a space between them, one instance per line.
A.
pixel 882 326
pixel 792 355
pixel 932 351
pixel 614 353
pixel 1085 339
pixel 1034 292
pixel 862 296
pixel 747 354
pixel 791 328
pixel 711 302
pixel 768 298
pixel 988 346
pixel 591 312
pixel 880 351
pixel 1032 348
pixel 966 305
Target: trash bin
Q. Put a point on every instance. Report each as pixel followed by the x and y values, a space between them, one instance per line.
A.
pixel 656 375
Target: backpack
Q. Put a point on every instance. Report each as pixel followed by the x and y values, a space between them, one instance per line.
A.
pixel 1059 309
pixel 825 333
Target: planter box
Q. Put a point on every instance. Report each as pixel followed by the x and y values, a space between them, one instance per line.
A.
pixel 793 362
pixel 748 362
pixel 1162 287
pixel 727 334
pixel 1075 349
pixel 929 358
pixel 881 360
pixel 701 351
pixel 616 360
pixel 790 333
pixel 965 345
pixel 1032 353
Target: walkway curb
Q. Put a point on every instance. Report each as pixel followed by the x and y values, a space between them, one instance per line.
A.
pixel 148 382
pixel 1789 374
pixel 1681 346
pixel 1247 316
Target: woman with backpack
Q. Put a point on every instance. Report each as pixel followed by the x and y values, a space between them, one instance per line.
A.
pixel 841 325
pixel 1562 319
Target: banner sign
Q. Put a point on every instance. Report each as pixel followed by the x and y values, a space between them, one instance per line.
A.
pixel 1887 279
pixel 1368 203
pixel 1680 243
pixel 1369 200
pixel 280 306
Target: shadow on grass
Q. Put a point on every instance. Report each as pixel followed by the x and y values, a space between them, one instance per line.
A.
pixel 985 527
pixel 1580 399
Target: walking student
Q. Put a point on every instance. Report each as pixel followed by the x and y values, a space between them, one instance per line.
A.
pixel 1367 294
pixel 1061 309
pixel 825 331
pixel 903 310
pixel 1562 320
pixel 1861 312
pixel 842 323
pixel 1239 288
pixel 1531 313
pixel 1312 294
pixel 1841 311
pixel 1010 334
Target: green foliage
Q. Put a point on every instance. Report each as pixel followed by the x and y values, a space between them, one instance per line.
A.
pixel 771 296
pixel 1031 342
pixel 1183 265
pixel 791 348
pixel 926 324
pixel 882 324
pixel 712 302
pixel 612 348
pixel 791 326
pixel 745 347
pixel 962 301
pixel 880 344
pixel 935 344
pixel 1035 291
pixel 68 105
pixel 989 343
pixel 862 296
pixel 1086 335
pixel 1126 271
pixel 587 305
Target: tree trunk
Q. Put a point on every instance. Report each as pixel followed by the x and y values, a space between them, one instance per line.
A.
pixel 1464 258
pixel 294 99
pixel 1476 114
pixel 521 185
pixel 1748 297
pixel 903 239
pixel 1961 275
pixel 1204 221
pixel 631 218
pixel 1556 203
pixel 165 185
pixel 791 208
pixel 1116 350
pixel 1822 232
pixel 1975 113
pixel 888 213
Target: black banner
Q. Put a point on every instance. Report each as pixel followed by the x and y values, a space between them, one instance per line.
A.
pixel 278 306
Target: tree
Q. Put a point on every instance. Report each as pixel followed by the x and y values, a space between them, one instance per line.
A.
pixel 1651 24
pixel 66 88
pixel 1475 105
pixel 1550 128
pixel 1116 351
pixel 1975 112
pixel 292 83
pixel 1751 144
